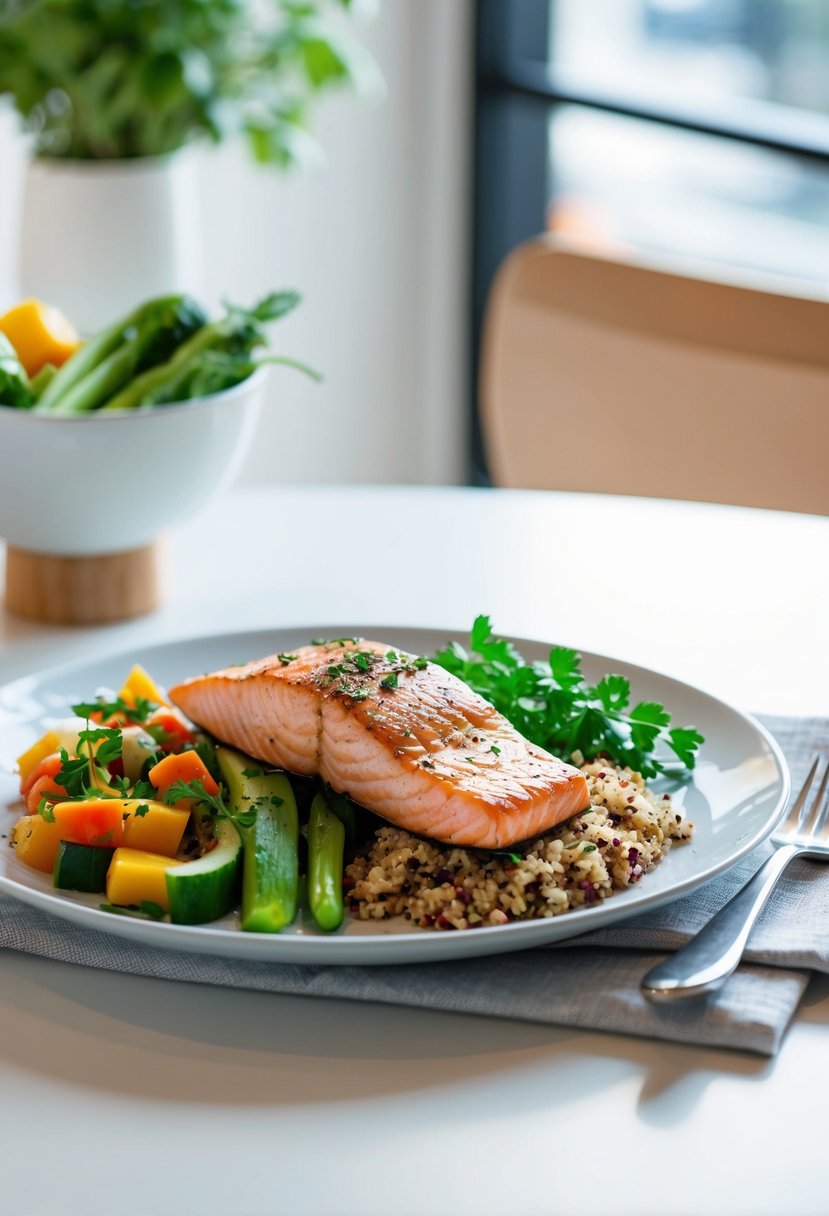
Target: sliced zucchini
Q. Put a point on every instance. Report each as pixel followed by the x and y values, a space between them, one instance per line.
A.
pixel 270 871
pixel 207 888
pixel 81 867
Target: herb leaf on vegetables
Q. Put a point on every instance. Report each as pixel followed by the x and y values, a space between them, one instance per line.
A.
pixel 551 703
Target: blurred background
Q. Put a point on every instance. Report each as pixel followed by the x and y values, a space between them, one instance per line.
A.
pixel 695 129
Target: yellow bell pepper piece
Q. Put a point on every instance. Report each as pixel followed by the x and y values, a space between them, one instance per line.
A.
pixel 158 831
pixel 139 683
pixel 35 842
pixel 31 758
pixel 39 334
pixel 135 875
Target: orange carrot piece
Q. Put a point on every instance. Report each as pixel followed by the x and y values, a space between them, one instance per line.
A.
pixel 95 821
pixel 186 766
pixel 49 766
pixel 43 786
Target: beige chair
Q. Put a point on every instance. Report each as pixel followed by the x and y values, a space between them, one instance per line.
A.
pixel 619 377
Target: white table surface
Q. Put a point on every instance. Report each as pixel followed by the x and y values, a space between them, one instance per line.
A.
pixel 123 1095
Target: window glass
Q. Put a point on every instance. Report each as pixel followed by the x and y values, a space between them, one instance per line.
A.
pixel 772 50
pixel 625 182
pixel 621 183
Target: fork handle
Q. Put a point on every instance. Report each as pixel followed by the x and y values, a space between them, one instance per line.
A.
pixel 714 954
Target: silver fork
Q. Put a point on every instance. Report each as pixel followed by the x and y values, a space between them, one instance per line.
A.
pixel 714 954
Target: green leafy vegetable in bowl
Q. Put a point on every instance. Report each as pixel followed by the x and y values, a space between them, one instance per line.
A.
pixel 164 351
pixel 15 388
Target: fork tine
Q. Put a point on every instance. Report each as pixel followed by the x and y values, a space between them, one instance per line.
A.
pixel 813 818
pixel 791 823
pixel 820 806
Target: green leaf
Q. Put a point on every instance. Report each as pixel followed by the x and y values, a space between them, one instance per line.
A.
pixel 73 774
pixel 276 305
pixel 45 811
pixel 134 713
pixel 109 740
pixel 685 742
pixel 480 634
pixel 650 713
pixel 565 667
pixel 184 791
pixel 15 389
pixel 613 692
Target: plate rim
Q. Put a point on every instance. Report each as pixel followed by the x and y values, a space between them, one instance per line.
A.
pixel 179 936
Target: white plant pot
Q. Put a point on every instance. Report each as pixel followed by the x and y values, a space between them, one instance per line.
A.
pixel 98 237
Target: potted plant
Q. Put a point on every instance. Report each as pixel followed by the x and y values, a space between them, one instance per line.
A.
pixel 114 93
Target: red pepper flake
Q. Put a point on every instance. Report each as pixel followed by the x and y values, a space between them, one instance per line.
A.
pixel 624 784
pixel 666 797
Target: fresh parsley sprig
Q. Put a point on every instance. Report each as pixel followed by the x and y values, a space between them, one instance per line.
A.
pixel 84 775
pixel 212 804
pixel 138 713
pixel 551 703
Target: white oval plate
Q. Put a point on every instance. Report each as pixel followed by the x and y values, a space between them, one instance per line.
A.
pixel 738 792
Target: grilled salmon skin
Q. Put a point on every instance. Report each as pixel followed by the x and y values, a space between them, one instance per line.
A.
pixel 400 735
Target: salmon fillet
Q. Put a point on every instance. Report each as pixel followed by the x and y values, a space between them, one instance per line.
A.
pixel 401 736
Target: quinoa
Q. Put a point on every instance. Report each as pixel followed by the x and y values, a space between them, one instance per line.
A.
pixel 625 832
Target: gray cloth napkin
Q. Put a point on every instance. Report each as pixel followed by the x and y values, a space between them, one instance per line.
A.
pixel 591 982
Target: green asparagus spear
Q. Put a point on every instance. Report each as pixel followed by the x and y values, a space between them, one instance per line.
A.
pixel 326 839
pixel 270 867
pixel 237 334
pixel 43 379
pixel 160 331
pixel 93 352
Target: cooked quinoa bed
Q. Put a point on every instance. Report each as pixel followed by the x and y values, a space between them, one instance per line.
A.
pixel 624 833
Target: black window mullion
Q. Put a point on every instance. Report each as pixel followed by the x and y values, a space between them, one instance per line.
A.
pixel 510 177
pixel 761 124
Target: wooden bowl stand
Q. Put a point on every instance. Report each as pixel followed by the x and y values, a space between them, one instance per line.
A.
pixel 83 590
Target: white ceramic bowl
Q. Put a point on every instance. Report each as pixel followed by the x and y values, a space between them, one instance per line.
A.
pixel 105 483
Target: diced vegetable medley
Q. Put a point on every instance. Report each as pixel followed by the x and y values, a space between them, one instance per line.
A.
pixel 131 802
